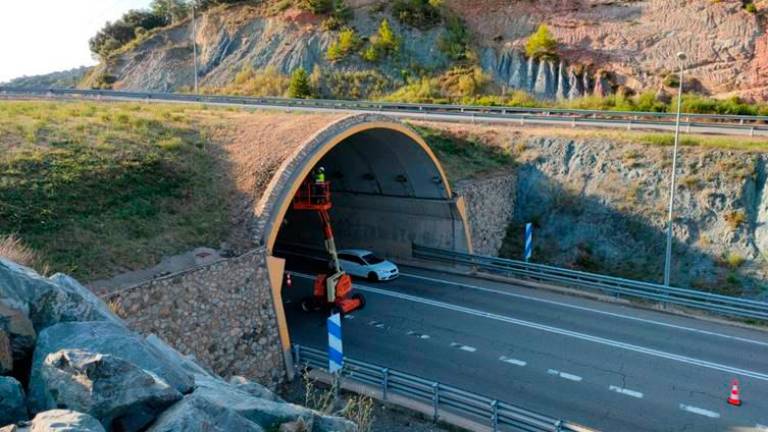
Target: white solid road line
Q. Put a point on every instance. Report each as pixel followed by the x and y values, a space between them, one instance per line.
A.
pixel 586 309
pixel 624 391
pixel 569 333
pixel 512 361
pixel 466 348
pixel 699 411
pixel 564 375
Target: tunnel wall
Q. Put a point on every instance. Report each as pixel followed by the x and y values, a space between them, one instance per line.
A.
pixel 223 314
pixel 387 225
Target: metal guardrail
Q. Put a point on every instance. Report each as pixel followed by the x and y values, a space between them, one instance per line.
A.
pixel 732 124
pixel 498 415
pixel 716 303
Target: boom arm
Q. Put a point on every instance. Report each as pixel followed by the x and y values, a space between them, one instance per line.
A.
pixel 330 244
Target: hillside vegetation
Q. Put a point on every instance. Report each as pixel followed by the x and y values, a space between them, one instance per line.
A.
pixel 97 188
pixel 491 52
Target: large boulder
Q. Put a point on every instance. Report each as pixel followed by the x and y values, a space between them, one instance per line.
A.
pixel 254 389
pixel 13 408
pixel 266 413
pixel 104 338
pixel 119 394
pixel 49 301
pixel 198 414
pixel 187 363
pixel 58 420
pixel 21 333
pixel 6 353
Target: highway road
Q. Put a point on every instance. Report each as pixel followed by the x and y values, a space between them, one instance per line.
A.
pixel 693 123
pixel 607 366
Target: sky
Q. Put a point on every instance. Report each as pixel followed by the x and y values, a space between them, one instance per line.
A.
pixel 42 36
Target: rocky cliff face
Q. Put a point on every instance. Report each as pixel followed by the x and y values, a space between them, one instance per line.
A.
pixel 636 41
pixel 600 204
pixel 603 45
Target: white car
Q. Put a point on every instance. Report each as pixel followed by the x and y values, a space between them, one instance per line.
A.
pixel 363 263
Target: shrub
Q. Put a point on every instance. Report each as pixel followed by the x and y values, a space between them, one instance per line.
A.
pixel 316 6
pixel 734 260
pixel 455 40
pixel 340 15
pixel 12 248
pixel 347 43
pixel 751 8
pixel 422 14
pixel 672 80
pixel 541 45
pixel 115 35
pixel 299 86
pixel 251 82
pixel 735 219
pixel 383 44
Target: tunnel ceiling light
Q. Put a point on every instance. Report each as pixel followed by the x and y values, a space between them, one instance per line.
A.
pixel 401 179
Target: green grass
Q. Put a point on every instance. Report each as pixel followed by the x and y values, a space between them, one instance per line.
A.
pixel 98 188
pixel 463 158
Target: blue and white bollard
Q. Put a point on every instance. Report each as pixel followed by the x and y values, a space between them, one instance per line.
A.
pixel 528 241
pixel 335 351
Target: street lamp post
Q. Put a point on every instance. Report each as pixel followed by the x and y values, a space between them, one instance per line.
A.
pixel 668 262
pixel 194 43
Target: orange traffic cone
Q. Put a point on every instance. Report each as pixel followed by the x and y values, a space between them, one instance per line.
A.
pixel 288 281
pixel 734 398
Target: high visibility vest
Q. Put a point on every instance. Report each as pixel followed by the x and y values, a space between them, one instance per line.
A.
pixel 320 177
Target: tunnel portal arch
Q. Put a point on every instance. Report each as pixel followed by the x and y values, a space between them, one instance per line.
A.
pixel 389 192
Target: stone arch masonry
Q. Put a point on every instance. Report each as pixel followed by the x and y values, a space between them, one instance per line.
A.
pixel 229 314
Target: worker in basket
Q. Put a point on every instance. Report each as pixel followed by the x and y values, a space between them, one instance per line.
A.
pixel 319 186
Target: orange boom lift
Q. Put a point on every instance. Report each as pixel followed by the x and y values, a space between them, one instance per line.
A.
pixel 331 291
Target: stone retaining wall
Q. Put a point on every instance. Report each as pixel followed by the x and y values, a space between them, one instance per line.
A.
pixel 223 314
pixel 490 207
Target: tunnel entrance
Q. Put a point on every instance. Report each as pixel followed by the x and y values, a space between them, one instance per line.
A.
pixel 388 192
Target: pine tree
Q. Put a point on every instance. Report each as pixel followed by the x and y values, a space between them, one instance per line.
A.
pixel 299 87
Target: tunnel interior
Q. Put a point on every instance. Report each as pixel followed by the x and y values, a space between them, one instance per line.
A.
pixel 388 193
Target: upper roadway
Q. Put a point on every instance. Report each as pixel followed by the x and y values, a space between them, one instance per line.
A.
pixel 607 366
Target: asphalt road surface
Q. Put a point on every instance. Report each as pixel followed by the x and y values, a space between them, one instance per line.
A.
pixel 607 366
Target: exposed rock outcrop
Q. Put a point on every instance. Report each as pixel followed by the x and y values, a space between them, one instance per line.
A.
pixel 58 420
pixel 635 41
pixel 88 382
pixel 103 338
pixel 111 379
pixel 13 406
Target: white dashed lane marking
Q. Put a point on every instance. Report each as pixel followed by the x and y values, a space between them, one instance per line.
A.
pixel 512 361
pixel 349 317
pixel 418 335
pixel 466 348
pixel 699 411
pixel 624 391
pixel 376 324
pixel 564 375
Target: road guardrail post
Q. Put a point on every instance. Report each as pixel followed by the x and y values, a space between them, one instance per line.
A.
pixel 435 400
pixel 752 132
pixel 384 382
pixel 296 356
pixel 494 415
